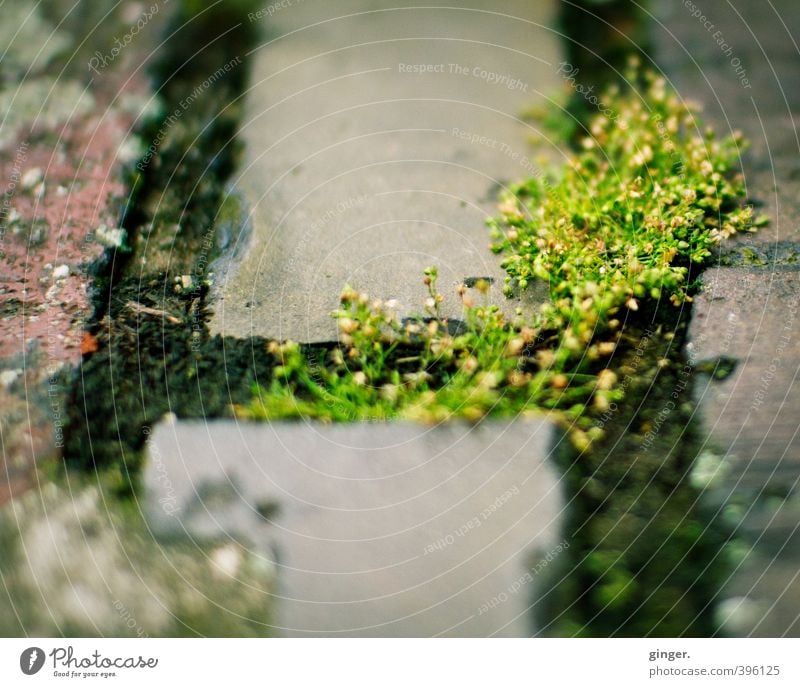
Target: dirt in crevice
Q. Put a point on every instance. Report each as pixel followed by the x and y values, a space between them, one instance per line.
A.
pixel 599 39
pixel 153 351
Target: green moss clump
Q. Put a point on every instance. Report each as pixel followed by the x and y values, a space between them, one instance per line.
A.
pixel 648 196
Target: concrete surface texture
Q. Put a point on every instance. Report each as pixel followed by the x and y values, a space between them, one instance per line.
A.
pixel 751 446
pixel 377 136
pixel 381 530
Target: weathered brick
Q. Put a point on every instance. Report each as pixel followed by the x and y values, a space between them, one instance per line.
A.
pixel 63 144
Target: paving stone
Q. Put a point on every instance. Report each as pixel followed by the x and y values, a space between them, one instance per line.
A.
pixel 752 415
pixel 76 563
pixel 750 423
pixel 743 71
pixel 377 135
pixel 390 530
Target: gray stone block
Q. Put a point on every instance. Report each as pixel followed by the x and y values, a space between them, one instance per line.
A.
pixel 752 415
pixel 744 73
pixel 750 422
pixel 374 530
pixel 377 135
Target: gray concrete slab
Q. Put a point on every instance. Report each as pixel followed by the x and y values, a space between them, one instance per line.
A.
pixel 377 135
pixel 740 64
pixel 739 61
pixel 396 530
pixel 750 422
pixel 753 415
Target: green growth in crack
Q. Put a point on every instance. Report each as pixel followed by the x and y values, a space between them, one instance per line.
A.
pixel 619 227
pixel 423 369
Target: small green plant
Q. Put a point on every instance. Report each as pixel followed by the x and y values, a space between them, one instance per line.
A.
pixel 422 368
pixel 645 198
pixel 648 196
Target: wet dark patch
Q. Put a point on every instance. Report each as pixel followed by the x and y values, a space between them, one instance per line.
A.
pixel 599 39
pixel 148 366
pixel 472 282
pixel 775 255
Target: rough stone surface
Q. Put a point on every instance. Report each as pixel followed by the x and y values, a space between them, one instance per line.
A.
pixel 752 443
pixel 743 72
pixel 74 563
pixel 377 136
pixel 752 317
pixel 740 64
pixel 394 530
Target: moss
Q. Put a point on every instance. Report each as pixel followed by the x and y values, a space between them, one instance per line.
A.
pixel 418 368
pixel 751 257
pixel 767 255
pixel 649 195
pixel 231 209
pixel 718 368
pixel 230 224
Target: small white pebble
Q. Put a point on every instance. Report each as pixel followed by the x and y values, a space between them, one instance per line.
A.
pixel 132 11
pixel 130 150
pixel 55 368
pixel 226 560
pixel 113 237
pixel 738 615
pixel 8 377
pixel 33 177
pixel 61 272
